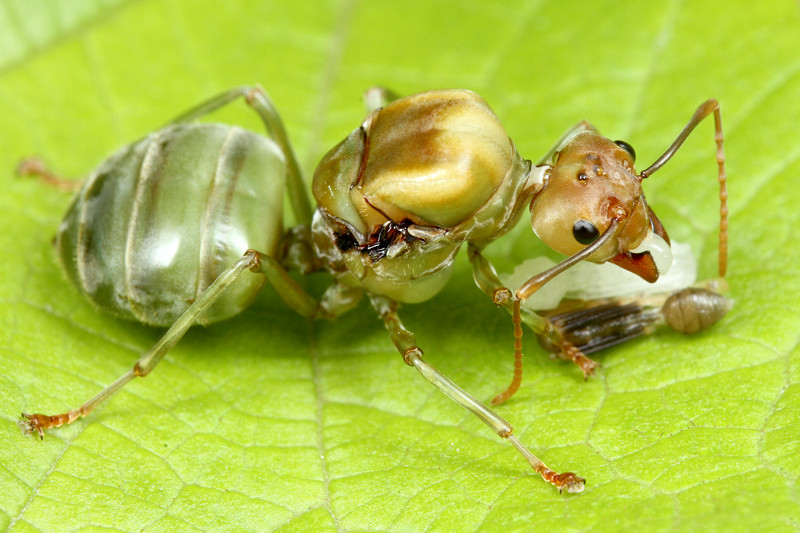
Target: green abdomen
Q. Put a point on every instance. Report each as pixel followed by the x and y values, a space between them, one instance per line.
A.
pixel 158 221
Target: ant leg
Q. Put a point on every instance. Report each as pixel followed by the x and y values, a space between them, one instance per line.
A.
pixel 378 97
pixel 142 367
pixel 486 278
pixel 212 104
pixel 35 167
pixel 406 344
pixel 259 101
pixel 547 158
pixel 589 326
pixel 550 334
pixel 334 302
pixel 570 352
pixel 257 98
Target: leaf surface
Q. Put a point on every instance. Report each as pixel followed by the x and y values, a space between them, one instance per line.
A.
pixel 269 422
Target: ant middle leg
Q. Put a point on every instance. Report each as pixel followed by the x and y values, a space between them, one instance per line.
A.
pixel 406 344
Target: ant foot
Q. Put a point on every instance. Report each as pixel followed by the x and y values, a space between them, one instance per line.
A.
pixel 34 423
pixel 568 482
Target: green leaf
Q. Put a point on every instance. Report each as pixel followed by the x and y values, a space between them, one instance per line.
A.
pixel 269 422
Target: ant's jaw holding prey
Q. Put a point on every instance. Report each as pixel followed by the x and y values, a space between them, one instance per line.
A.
pixel 651 259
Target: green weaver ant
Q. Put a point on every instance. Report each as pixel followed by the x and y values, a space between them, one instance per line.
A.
pixel 158 231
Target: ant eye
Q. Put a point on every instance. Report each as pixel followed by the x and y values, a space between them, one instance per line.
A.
pixel 585 232
pixel 627 147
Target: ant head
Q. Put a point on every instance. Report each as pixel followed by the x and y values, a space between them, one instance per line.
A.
pixel 591 183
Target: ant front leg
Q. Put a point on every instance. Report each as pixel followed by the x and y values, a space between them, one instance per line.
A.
pixel 406 344
pixel 487 280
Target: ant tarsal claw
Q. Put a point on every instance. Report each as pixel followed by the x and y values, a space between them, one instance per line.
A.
pixel 33 423
pixel 569 482
pixel 570 352
pixel 587 366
